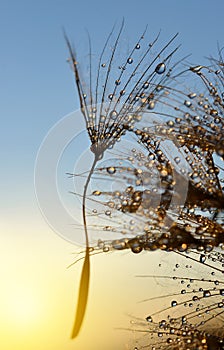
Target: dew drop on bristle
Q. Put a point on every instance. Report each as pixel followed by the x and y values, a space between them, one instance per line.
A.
pixel 130 60
pixel 160 68
pixel 202 258
pixel 173 303
pixel 111 170
pixel 149 319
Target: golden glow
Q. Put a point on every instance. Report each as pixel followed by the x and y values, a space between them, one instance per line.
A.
pixel 23 307
pixel 38 294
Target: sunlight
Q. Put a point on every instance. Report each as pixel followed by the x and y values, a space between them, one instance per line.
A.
pixel 23 307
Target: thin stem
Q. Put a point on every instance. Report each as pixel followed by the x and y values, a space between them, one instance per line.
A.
pixel 96 158
pixel 85 275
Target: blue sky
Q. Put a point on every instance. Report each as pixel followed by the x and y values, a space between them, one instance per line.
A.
pixel 37 86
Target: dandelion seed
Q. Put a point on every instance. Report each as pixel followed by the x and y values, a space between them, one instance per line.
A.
pixel 96 105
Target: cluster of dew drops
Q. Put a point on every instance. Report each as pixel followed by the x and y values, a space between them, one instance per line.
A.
pixel 134 190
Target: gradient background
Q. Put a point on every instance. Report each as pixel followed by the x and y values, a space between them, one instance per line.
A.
pixel 38 294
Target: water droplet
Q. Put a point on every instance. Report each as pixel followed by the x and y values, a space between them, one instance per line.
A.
pixel 187 103
pixel 118 244
pixel 137 46
pixel 151 105
pixel 149 319
pixel 177 160
pixel 106 249
pixel 192 95
pixel 113 114
pixel 170 123
pixel 160 68
pixel 130 60
pixel 213 112
pixel 196 69
pixel 96 193
pixel 111 170
pixel 184 319
pixel 163 172
pixel 173 303
pixel 206 294
pixel 202 258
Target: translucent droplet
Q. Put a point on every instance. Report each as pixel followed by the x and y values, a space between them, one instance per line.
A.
pixel 137 46
pixel 192 95
pixel 202 258
pixel 145 85
pixel 184 319
pixel 163 172
pixel 206 294
pixel 177 160
pixel 187 103
pixel 196 69
pixel 213 112
pixel 111 170
pixel 96 193
pixel 151 105
pixel 159 88
pixel 173 303
pixel 106 249
pixel 130 60
pixel 149 319
pixel 160 68
pixel 113 114
pixel 170 123
pixel 220 149
pixel 118 244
